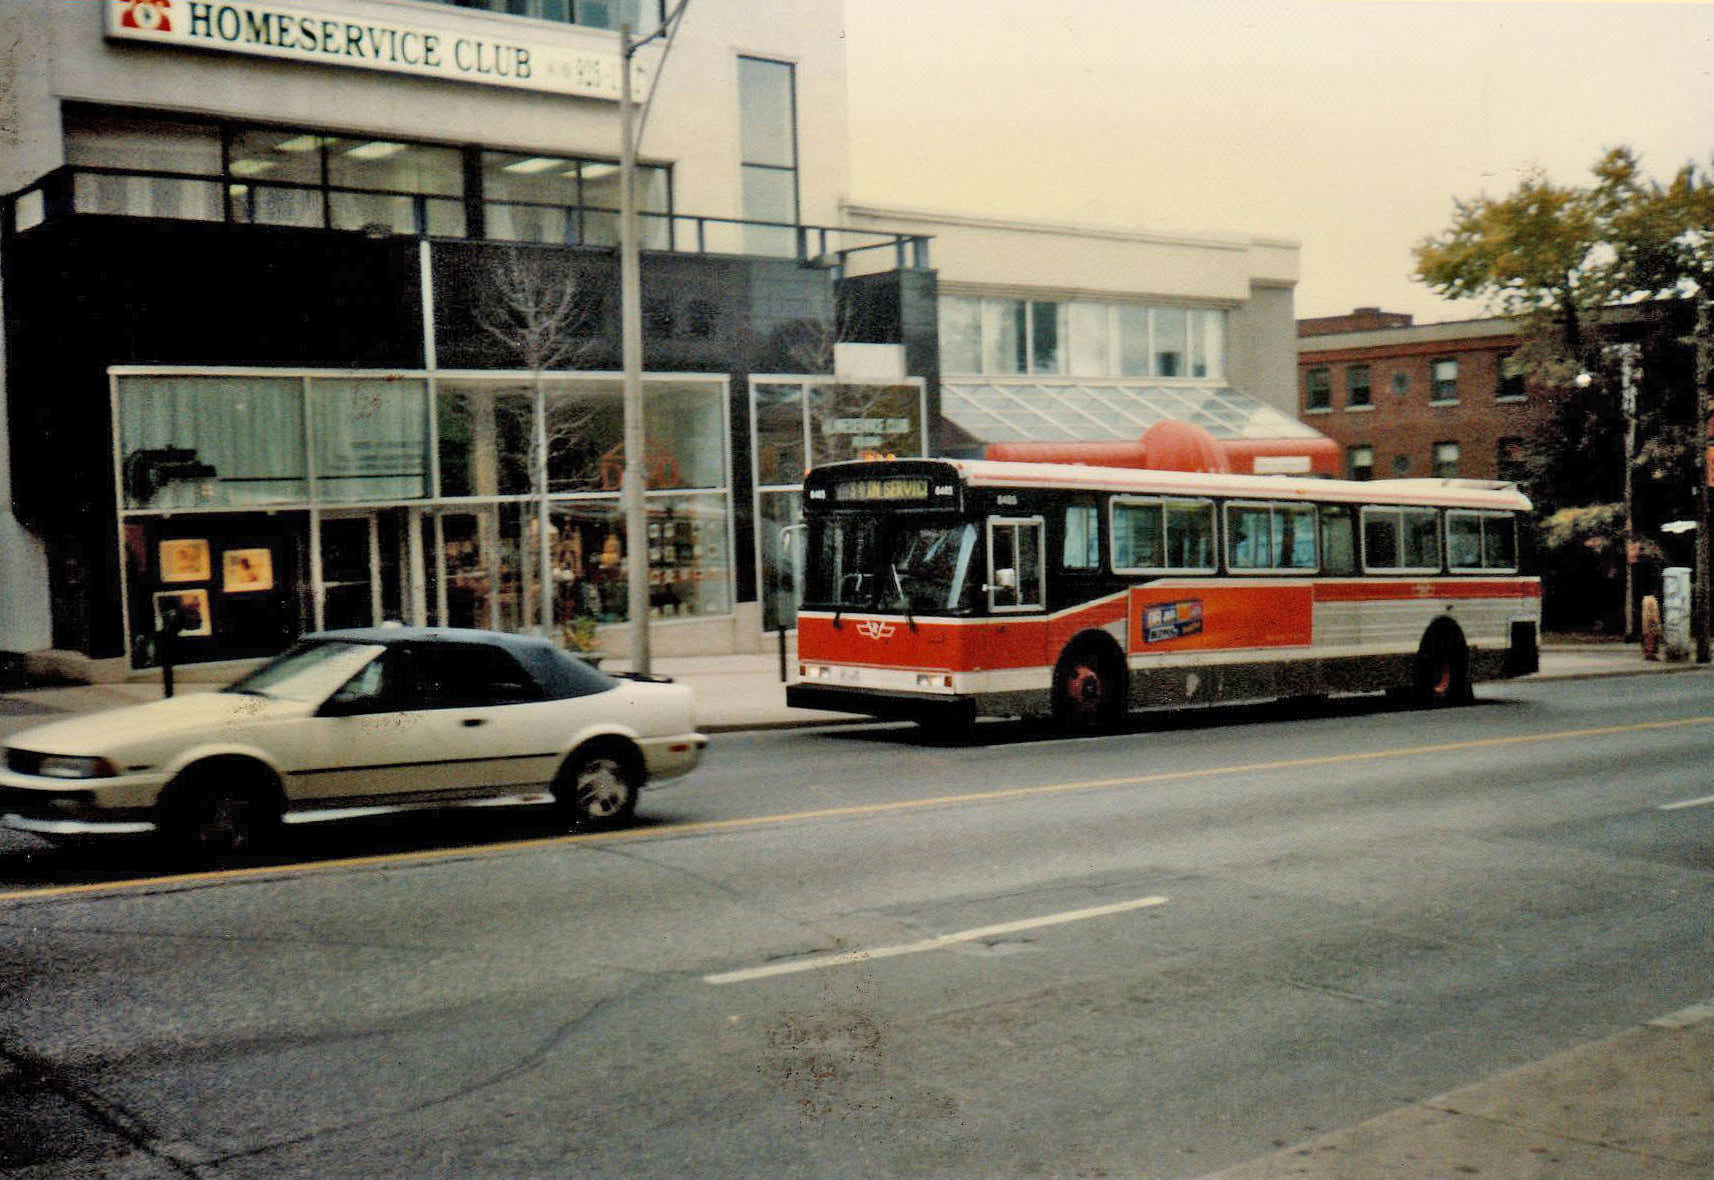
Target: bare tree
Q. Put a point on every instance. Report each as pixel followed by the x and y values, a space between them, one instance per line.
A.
pixel 538 309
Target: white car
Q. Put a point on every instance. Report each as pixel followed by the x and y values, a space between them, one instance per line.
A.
pixel 350 722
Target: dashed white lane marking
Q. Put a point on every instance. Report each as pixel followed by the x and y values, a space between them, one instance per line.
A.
pixel 1682 804
pixel 847 958
pixel 1685 1017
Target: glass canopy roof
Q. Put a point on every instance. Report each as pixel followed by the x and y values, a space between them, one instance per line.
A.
pixel 1103 413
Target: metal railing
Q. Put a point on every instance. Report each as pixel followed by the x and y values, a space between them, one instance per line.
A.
pixel 83 190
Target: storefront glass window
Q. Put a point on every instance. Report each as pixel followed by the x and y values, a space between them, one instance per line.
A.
pixel 371 439
pixel 779 433
pixel 203 442
pixel 780 539
pixel 484 440
pixel 960 334
pixel 854 421
pixel 682 429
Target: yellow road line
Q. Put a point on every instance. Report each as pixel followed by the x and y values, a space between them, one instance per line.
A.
pixel 673 831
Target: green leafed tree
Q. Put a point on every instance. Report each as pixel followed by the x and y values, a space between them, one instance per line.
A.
pixel 1556 257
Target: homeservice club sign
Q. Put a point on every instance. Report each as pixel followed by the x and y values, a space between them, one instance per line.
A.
pixel 307 35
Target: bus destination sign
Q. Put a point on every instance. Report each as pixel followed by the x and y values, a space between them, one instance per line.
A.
pixel 895 487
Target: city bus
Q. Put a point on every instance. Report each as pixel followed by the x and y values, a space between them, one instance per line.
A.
pixel 941 590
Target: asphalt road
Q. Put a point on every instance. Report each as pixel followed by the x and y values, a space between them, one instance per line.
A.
pixel 860 952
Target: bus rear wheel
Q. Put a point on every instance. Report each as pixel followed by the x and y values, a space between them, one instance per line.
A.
pixel 1443 671
pixel 1086 692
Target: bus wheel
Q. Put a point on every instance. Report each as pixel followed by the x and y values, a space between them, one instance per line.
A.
pixel 1443 670
pixel 1086 691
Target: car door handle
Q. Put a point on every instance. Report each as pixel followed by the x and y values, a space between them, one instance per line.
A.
pixel 473 722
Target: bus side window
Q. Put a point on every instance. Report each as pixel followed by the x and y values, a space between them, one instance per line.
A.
pixel 1338 541
pixel 1082 548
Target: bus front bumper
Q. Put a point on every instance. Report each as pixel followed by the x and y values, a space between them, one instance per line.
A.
pixel 892 704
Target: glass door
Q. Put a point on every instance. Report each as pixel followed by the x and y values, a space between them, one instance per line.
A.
pixel 349 589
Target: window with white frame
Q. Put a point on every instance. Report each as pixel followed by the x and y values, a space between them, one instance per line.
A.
pixel 997 336
pixel 1443 381
pixel 1445 460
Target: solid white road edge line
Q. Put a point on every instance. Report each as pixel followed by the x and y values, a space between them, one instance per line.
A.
pixel 930 944
pixel 1702 802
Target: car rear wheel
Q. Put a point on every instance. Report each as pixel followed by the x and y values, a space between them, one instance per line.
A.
pixel 598 787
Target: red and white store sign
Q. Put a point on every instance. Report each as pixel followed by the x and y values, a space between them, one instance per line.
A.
pixel 291 33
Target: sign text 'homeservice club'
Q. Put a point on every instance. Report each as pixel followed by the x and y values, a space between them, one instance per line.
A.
pixel 426 50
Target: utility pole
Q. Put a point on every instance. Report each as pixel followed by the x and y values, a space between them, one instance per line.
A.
pixel 1704 370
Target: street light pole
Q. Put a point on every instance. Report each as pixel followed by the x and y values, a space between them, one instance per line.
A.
pixel 1704 369
pixel 631 349
pixel 1628 396
pixel 633 484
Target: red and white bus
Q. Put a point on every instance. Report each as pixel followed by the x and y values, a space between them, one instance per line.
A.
pixel 941 590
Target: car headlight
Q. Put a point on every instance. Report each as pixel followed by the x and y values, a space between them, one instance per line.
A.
pixel 74 766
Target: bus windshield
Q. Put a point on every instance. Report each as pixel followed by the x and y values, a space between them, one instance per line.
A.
pixel 931 567
pixel 926 565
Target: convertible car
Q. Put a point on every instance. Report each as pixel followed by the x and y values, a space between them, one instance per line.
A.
pixel 354 722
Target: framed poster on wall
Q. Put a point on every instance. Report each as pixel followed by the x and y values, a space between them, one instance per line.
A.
pixel 192 606
pixel 247 570
pixel 184 559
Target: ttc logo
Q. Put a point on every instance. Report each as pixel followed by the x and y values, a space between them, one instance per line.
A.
pixel 870 629
pixel 148 15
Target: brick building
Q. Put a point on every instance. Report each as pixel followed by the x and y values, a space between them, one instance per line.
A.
pixel 1404 399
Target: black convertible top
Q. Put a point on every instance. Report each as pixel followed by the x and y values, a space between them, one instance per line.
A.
pixel 559 674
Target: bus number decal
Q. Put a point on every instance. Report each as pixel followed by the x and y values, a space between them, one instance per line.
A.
pixel 1172 620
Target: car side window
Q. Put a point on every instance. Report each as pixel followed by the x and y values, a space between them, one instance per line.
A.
pixel 375 688
pixel 467 675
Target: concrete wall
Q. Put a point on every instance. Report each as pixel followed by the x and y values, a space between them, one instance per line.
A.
pixel 1261 354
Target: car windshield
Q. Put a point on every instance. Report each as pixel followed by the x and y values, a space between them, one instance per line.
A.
pixel 930 567
pixel 308 672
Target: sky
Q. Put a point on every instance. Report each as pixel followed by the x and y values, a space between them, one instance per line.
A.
pixel 1347 126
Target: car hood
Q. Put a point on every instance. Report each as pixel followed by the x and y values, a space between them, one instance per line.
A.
pixel 99 733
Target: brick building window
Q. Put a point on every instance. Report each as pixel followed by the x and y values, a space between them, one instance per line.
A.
pixel 1443 382
pixel 1445 460
pixel 1510 460
pixel 1360 462
pixel 1317 389
pixel 1357 386
pixel 1510 383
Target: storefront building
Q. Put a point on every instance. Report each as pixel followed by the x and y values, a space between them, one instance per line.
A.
pixel 265 360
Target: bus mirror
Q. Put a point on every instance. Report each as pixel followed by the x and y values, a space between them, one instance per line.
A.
pixel 1006 579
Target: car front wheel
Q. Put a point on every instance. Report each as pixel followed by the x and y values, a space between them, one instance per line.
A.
pixel 215 814
pixel 598 787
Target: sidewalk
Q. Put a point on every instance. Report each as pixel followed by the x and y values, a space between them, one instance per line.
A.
pixel 738 692
pixel 1638 1104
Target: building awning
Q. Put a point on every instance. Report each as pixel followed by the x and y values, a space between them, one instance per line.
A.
pixel 1018 412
